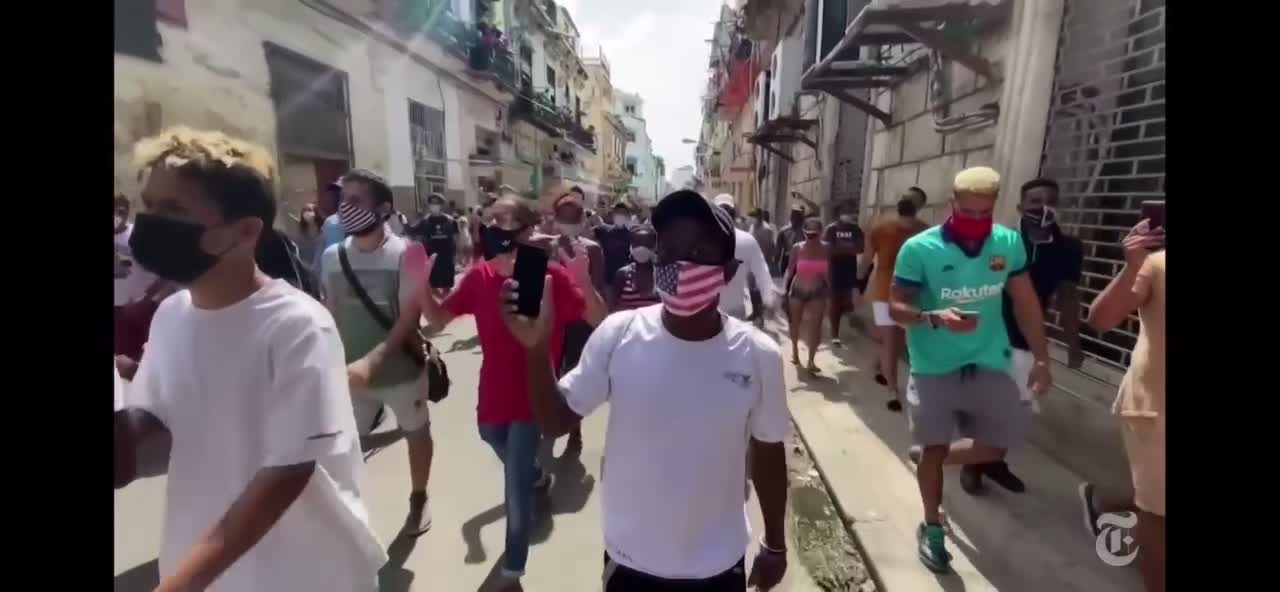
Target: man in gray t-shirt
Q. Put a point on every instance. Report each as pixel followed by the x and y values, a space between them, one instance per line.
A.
pixel 377 257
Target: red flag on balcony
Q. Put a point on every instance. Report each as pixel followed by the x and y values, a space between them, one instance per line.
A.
pixel 737 90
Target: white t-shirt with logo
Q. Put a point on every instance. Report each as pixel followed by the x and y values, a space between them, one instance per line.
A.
pixel 133 286
pixel 681 414
pixel 261 383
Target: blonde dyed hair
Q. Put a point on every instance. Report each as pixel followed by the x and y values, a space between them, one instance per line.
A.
pixel 982 180
pixel 237 174
pixel 181 147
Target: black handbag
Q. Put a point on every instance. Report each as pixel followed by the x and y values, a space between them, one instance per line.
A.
pixel 419 348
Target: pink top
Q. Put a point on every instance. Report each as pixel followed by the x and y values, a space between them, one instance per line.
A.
pixel 811 267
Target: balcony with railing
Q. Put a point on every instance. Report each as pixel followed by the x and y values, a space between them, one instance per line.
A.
pixel 482 46
pixel 540 111
pixel 585 137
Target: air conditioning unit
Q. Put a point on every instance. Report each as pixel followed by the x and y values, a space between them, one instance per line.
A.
pixel 762 98
pixel 786 64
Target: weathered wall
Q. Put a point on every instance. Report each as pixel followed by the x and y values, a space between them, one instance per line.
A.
pixel 214 75
pixel 909 151
pixel 810 174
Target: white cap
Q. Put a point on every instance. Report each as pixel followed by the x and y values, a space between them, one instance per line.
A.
pixel 724 199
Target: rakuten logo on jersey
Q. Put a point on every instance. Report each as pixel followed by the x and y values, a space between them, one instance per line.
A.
pixel 966 294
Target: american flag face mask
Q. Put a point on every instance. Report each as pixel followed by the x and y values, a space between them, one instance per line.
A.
pixel 688 288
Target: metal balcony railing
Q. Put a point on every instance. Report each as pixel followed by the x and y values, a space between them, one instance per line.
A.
pixel 542 114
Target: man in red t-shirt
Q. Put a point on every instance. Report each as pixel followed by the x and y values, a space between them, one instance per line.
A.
pixel 505 417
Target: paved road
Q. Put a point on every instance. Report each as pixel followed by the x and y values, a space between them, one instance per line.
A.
pixel 461 551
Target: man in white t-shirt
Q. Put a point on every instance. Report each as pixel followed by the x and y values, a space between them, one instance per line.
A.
pixel 247 374
pixel 673 506
pixel 735 297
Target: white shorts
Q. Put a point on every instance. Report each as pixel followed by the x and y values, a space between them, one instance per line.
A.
pixel 407 403
pixel 1021 363
pixel 880 310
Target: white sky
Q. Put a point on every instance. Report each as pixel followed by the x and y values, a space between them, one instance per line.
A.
pixel 656 48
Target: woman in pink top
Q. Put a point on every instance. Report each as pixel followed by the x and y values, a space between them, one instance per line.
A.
pixel 808 278
pixel 1141 400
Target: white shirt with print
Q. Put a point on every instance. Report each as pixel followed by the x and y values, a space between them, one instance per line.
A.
pixel 680 417
pixel 261 383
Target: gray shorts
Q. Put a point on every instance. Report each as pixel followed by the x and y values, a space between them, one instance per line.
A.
pixel 981 404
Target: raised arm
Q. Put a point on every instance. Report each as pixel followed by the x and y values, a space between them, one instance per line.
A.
pixel 1125 293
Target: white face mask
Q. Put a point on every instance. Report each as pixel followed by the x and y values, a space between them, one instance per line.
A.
pixel 846 218
pixel 434 208
pixel 569 230
pixel 641 254
pixel 119 221
pixel 621 219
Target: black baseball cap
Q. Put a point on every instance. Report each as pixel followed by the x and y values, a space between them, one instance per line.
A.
pixel 685 203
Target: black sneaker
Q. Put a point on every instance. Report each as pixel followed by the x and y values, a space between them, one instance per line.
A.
pixel 894 405
pixel 1089 509
pixel 914 453
pixel 971 479
pixel 419 520
pixel 880 379
pixel 544 483
pixel 1000 473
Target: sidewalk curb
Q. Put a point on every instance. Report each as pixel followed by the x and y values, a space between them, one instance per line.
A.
pixel 845 517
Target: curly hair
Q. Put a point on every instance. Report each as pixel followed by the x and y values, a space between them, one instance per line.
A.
pixel 238 175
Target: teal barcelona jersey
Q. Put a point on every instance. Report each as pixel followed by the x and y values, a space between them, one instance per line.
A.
pixel 948 277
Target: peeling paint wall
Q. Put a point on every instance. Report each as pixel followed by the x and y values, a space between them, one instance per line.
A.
pixel 214 76
pixel 909 151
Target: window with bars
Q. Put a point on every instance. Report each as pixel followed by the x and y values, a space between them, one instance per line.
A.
pixel 1105 143
pixel 426 139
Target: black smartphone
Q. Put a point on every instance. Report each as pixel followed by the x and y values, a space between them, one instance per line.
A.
pixel 1154 212
pixel 529 273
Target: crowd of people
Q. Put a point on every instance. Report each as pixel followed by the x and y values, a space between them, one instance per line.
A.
pixel 296 344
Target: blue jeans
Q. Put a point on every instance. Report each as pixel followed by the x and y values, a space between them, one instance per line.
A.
pixel 516 445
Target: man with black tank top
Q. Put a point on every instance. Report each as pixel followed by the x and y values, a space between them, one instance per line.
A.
pixel 845 241
pixel 439 232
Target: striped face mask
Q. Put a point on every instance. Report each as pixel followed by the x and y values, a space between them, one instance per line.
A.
pixel 355 220
pixel 688 288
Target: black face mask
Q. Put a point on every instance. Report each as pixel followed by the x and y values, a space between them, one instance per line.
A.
pixel 498 241
pixel 171 248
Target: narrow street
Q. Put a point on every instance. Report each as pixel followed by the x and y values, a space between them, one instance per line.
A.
pixel 461 551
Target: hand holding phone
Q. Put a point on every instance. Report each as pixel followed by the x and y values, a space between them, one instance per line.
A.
pixel 957 320
pixel 1153 212
pixel 530 270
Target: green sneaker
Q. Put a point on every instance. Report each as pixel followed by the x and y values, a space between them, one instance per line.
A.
pixel 931 542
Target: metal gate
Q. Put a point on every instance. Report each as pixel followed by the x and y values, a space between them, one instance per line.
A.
pixel 426 137
pixel 1105 143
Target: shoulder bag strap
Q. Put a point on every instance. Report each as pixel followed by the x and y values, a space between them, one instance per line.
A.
pixel 412 349
pixel 378 314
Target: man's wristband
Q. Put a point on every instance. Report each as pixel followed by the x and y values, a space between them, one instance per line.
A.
pixel 767 549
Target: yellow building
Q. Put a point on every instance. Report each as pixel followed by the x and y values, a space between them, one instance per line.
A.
pixel 608 165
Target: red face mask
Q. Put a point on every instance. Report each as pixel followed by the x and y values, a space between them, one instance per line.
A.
pixel 968 229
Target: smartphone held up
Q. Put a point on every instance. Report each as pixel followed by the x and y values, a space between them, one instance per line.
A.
pixel 1153 211
pixel 529 273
